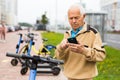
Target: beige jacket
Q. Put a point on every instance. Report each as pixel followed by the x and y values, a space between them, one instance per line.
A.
pixel 79 66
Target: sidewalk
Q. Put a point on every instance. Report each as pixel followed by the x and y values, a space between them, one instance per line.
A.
pixel 9 72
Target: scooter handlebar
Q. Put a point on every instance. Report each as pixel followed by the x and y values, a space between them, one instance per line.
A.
pixel 36 58
pixel 13 55
pixel 19 56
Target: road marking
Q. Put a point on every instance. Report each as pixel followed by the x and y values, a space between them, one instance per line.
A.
pixel 117 42
pixel 6 60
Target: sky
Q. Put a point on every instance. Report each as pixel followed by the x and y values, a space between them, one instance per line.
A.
pixel 31 10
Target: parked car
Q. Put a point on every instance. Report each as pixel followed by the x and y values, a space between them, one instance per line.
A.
pixel 17 28
pixel 10 28
pixel 39 27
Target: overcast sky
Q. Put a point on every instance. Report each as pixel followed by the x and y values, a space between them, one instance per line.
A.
pixel 30 10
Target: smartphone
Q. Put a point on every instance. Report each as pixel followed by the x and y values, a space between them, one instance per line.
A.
pixel 72 40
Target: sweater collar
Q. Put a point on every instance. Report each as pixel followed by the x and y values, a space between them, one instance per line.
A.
pixel 84 29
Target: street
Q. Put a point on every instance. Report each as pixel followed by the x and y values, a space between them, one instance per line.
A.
pixel 113 40
pixel 9 72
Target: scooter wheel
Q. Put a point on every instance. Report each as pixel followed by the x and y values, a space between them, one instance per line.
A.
pixel 24 70
pixel 56 70
pixel 14 62
pixel 52 65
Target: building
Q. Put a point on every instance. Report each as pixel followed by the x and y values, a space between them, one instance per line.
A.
pixel 113 9
pixel 97 19
pixel 8 12
pixel 2 10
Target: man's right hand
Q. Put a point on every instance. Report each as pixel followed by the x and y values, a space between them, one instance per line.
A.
pixel 64 44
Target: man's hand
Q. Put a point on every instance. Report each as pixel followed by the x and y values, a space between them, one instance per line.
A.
pixel 64 44
pixel 78 48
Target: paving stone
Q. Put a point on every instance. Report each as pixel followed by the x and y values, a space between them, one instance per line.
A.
pixel 9 72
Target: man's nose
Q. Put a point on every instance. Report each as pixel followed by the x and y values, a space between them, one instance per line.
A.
pixel 74 20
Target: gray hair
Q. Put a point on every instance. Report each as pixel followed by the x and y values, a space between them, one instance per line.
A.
pixel 82 10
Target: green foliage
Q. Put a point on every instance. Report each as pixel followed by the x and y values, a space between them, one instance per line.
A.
pixel 44 19
pixel 109 69
pixel 53 39
pixel 25 24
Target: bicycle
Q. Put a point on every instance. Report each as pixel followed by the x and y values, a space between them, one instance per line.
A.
pixel 35 61
pixel 14 61
pixel 30 41
pixel 43 49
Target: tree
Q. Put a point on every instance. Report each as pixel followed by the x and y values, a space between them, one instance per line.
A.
pixel 44 20
pixel 25 24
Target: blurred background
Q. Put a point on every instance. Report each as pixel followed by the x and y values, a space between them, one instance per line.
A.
pixel 51 15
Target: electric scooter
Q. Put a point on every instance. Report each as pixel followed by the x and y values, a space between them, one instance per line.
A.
pixel 35 60
pixel 28 63
pixel 14 61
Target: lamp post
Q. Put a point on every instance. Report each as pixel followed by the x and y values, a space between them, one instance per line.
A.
pixel 56 17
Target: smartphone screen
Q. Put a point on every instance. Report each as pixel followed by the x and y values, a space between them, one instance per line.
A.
pixel 72 40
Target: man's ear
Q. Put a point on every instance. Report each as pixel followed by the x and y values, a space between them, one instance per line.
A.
pixel 84 15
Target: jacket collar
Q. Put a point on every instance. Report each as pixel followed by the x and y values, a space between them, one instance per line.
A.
pixel 83 30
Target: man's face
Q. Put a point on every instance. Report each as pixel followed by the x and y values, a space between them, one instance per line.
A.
pixel 75 18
